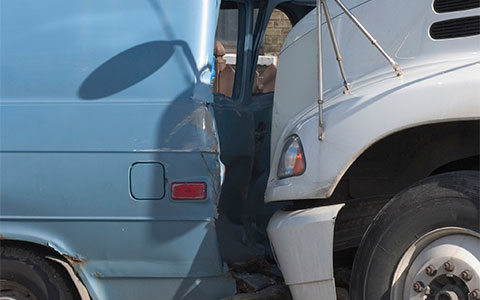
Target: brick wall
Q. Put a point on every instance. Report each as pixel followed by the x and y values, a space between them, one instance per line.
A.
pixel 277 29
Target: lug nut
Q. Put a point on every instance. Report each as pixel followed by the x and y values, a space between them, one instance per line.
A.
pixel 427 290
pixel 474 295
pixel 430 270
pixel 418 286
pixel 448 266
pixel 466 275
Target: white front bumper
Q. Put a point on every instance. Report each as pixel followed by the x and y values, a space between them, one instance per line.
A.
pixel 303 244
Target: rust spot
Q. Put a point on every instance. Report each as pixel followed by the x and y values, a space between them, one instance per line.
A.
pixel 97 274
pixel 74 260
pixel 1 236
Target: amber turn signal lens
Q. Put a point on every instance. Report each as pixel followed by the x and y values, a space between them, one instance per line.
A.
pixel 292 160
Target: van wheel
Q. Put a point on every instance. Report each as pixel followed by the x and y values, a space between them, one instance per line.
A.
pixel 424 244
pixel 26 275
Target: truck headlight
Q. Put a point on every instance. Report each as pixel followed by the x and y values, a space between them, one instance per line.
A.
pixel 292 161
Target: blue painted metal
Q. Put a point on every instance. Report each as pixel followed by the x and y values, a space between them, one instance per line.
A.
pixel 140 177
pixel 88 90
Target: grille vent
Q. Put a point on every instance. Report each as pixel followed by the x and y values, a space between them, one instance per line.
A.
pixel 455 28
pixel 444 6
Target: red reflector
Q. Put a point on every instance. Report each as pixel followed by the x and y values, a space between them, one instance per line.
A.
pixel 189 190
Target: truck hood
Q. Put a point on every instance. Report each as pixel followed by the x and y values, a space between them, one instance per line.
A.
pixel 309 22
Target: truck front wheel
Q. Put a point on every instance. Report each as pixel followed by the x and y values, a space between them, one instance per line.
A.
pixel 424 244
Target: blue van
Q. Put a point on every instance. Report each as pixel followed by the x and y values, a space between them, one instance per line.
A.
pixel 122 176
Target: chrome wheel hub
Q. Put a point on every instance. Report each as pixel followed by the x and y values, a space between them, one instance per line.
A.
pixel 443 264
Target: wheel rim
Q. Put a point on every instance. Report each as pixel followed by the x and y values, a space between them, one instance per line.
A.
pixel 443 264
pixel 11 290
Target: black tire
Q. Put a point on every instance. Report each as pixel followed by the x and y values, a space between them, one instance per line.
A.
pixel 25 274
pixel 445 200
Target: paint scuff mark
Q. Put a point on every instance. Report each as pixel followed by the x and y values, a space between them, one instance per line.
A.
pixel 200 118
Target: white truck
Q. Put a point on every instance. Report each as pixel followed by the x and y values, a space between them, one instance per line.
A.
pixel 389 150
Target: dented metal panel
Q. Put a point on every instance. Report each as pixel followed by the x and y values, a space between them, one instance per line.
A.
pixel 303 244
